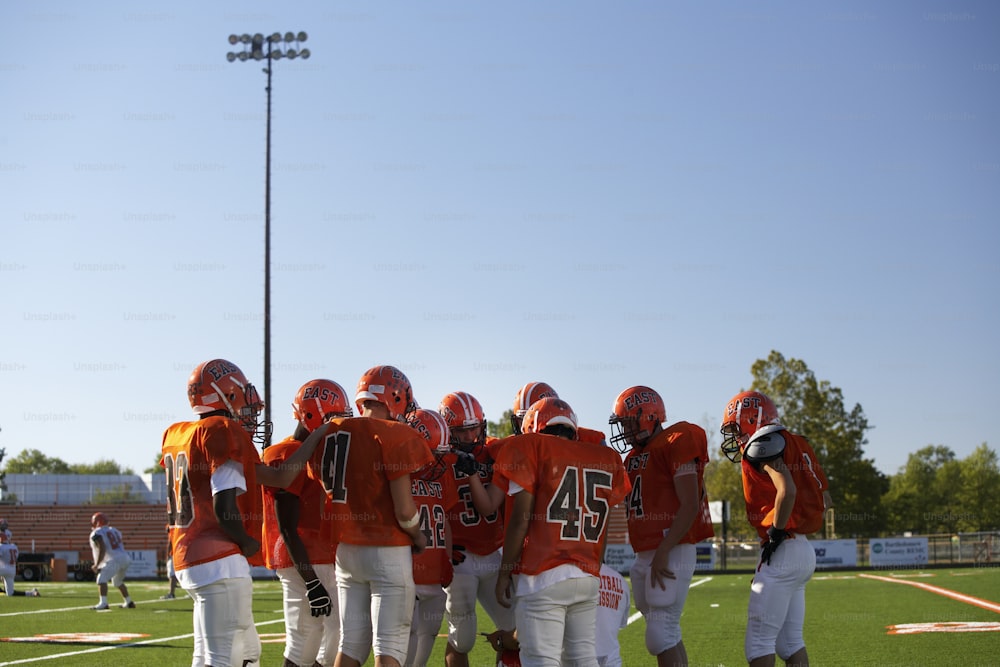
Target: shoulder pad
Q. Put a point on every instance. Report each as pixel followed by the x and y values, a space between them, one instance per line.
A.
pixel 764 448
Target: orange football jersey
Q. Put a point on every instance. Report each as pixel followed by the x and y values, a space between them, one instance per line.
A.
pixel 479 534
pixel 355 463
pixel 591 435
pixel 192 451
pixel 316 528
pixel 810 483
pixel 575 484
pixel 653 502
pixel 434 497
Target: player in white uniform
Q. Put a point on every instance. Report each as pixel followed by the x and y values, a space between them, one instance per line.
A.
pixel 8 566
pixel 613 604
pixel 110 560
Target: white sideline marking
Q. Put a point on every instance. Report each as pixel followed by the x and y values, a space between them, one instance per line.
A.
pixel 961 597
pixel 636 616
pixel 100 649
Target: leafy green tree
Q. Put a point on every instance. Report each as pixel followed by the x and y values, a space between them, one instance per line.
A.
pixel 101 467
pixel 978 493
pixel 918 499
pixel 816 410
pixel 34 461
pixel 501 428
pixel 723 481
pixel 156 467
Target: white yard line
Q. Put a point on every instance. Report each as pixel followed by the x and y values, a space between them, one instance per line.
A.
pixel 636 616
pixel 961 597
pixel 56 656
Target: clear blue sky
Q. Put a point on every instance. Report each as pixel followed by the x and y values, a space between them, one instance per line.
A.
pixel 591 194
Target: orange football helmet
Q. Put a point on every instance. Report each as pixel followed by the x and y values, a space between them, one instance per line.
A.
pixel 99 519
pixel 387 385
pixel 546 413
pixel 635 415
pixel 434 429
pixel 466 420
pixel 526 395
pixel 221 385
pixel 318 401
pixel 745 414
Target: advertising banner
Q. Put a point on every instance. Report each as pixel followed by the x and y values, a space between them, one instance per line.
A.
pixel 143 565
pixel 835 553
pixel 898 551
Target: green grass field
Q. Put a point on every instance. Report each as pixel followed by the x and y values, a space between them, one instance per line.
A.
pixel 847 623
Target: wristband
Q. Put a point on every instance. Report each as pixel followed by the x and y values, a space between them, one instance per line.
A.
pixel 411 522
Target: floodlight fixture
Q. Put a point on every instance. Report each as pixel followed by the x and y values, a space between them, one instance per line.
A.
pixel 253 48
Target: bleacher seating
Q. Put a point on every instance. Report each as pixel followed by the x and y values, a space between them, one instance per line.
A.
pixel 67 527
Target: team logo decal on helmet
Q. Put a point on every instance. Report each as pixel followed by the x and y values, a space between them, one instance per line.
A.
pixel 745 414
pixel 390 386
pixel 466 420
pixel 221 385
pixel 433 428
pixel 635 415
pixel 319 401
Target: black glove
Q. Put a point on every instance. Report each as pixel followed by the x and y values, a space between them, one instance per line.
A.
pixel 457 554
pixel 467 464
pixel 319 599
pixel 775 536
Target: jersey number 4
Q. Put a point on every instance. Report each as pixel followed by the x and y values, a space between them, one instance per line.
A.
pixel 336 447
pixel 580 521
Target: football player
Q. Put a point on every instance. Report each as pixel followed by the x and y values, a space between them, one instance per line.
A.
pixel 434 492
pixel 365 464
pixel 171 594
pixel 214 511
pixel 477 536
pixel 536 391
pixel 302 536
pixel 613 608
pixel 786 493
pixel 667 512
pixel 562 490
pixel 8 566
pixel 111 561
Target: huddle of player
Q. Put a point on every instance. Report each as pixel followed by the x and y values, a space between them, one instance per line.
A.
pixel 378 525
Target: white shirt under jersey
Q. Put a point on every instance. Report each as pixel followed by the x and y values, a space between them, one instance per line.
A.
pixel 613 603
pixel 114 546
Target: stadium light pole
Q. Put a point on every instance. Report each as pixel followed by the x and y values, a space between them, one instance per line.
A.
pixel 278 46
